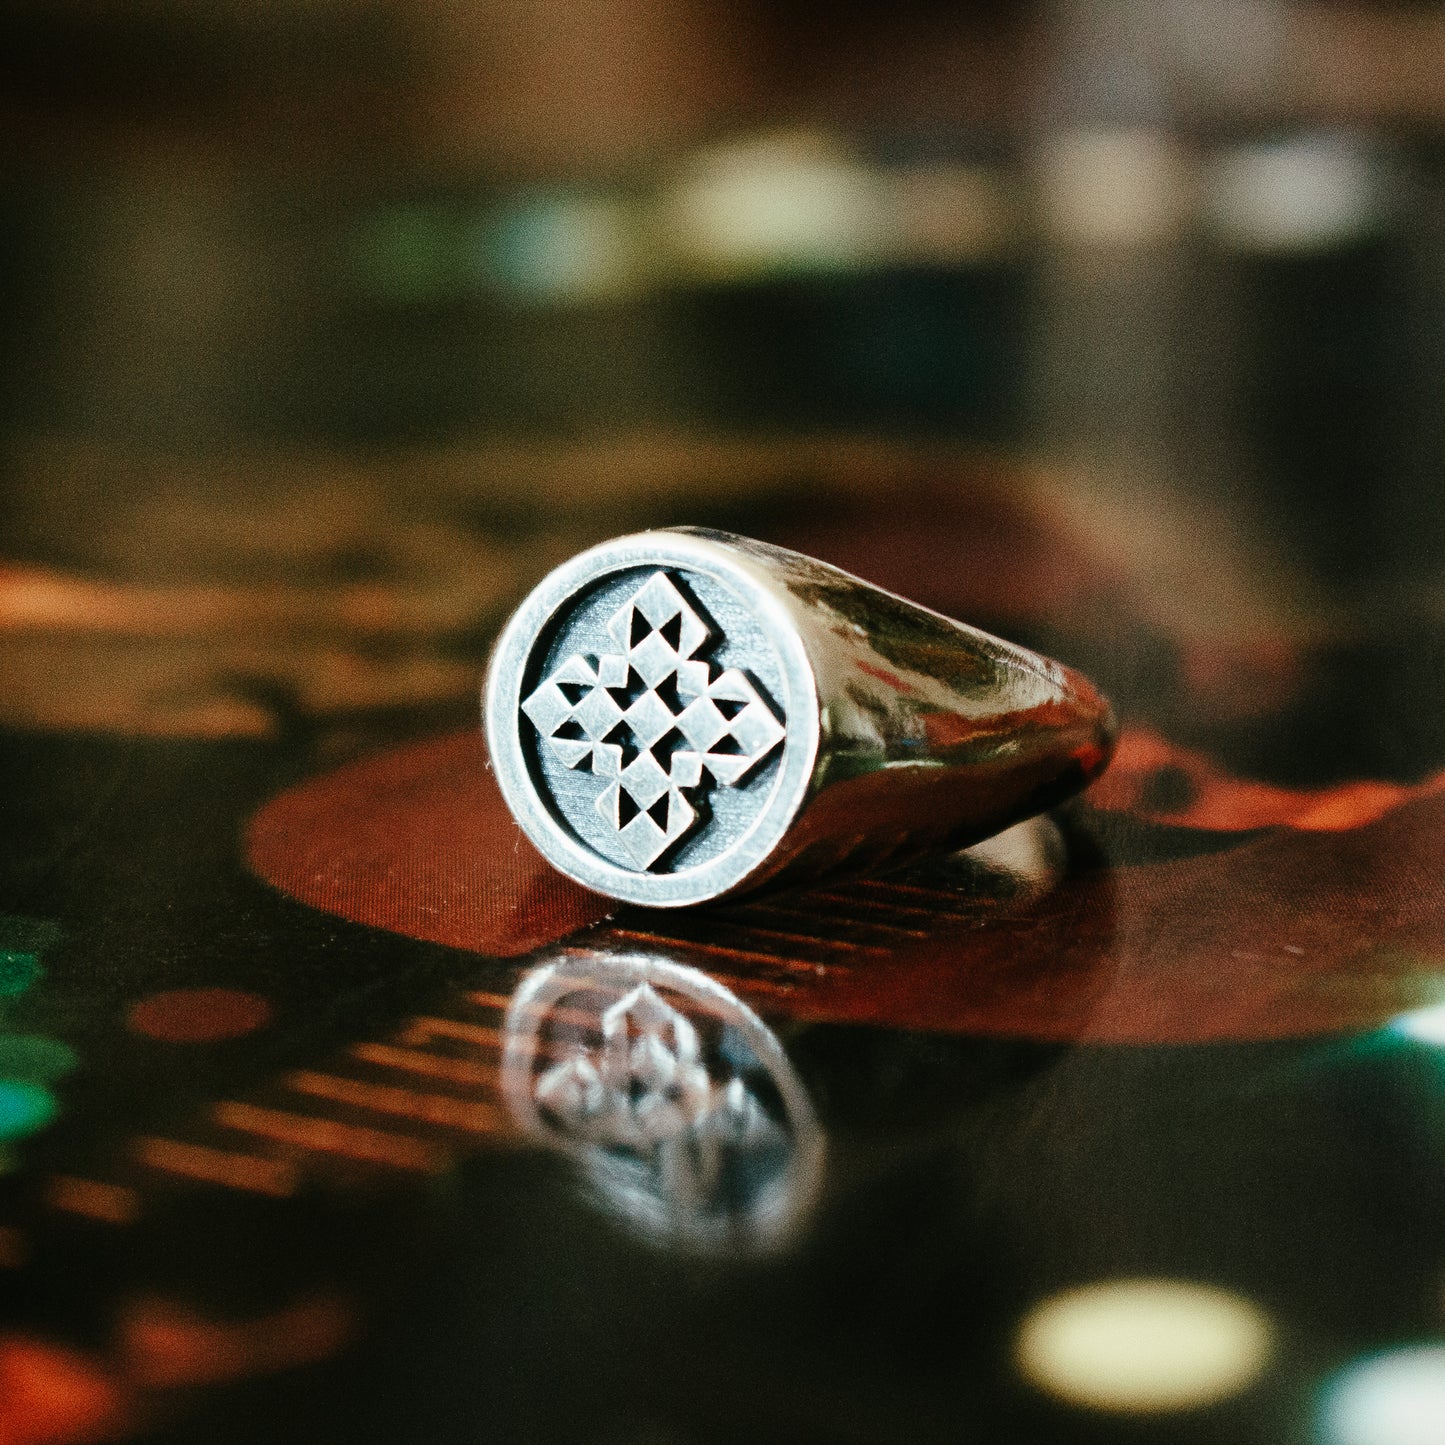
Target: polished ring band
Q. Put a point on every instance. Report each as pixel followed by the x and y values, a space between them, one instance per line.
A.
pixel 680 715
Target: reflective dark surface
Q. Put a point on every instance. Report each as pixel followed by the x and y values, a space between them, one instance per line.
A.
pixel 952 1149
pixel 329 1112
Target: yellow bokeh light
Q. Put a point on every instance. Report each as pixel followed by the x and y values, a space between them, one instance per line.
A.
pixel 1141 1346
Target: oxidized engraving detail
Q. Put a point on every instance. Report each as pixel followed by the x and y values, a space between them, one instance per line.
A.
pixel 650 720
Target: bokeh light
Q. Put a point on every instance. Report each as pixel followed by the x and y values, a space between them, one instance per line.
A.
pixel 788 203
pixel 1423 1025
pixel 407 254
pixel 1141 1346
pixel 199 1015
pixel 1112 187
pixel 1306 193
pixel 564 247
pixel 24 1108
pixel 52 1395
pixel 1393 1398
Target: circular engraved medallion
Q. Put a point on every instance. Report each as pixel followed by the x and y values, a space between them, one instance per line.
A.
pixel 643 708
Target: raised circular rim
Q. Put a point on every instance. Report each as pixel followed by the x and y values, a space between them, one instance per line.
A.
pixel 502 712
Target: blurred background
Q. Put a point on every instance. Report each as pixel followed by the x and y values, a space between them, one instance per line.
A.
pixel 407 297
pixel 326 326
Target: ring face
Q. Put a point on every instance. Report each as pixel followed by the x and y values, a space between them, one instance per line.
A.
pixel 654 730
pixel 648 720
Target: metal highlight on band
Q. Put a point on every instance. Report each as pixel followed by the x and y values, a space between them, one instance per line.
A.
pixel 680 715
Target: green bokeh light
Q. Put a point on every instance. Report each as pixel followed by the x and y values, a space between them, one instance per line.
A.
pixel 407 254
pixel 24 1108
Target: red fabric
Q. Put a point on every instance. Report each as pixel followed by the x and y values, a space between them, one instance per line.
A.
pixel 418 841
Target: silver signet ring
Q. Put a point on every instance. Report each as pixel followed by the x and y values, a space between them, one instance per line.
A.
pixel 684 714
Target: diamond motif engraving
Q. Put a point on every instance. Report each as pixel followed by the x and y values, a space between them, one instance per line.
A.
pixel 650 720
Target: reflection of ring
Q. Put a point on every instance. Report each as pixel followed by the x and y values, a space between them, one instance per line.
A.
pixel 675 1097
pixel 678 715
